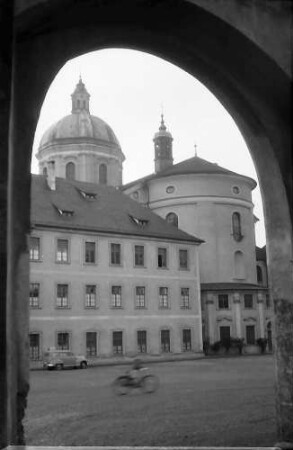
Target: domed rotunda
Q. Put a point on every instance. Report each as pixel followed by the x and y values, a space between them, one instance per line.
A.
pixel 83 146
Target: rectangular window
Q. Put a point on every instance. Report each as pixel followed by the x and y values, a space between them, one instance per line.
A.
pixel 224 334
pixel 165 341
pixel 139 255
pixel 116 296
pixel 248 301
pixel 183 259
pixel 90 296
pixel 62 296
pixel 163 297
pixel 250 334
pixel 140 297
pixel 142 341
pixel 116 254
pixel 162 258
pixel 90 253
pixel 35 249
pixel 223 301
pixel 62 341
pixel 186 339
pixel 117 343
pixel 62 254
pixel 91 343
pixel 34 295
pixel 34 342
pixel 185 298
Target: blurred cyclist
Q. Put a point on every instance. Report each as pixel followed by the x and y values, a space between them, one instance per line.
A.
pixel 135 371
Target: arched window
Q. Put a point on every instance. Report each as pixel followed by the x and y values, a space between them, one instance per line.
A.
pixel 103 174
pixel 259 274
pixel 172 218
pixel 239 266
pixel 236 226
pixel 70 171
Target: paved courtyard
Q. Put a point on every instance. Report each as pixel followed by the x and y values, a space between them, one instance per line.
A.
pixel 224 401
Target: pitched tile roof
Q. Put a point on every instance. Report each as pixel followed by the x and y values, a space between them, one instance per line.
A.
pixel 190 166
pixel 108 211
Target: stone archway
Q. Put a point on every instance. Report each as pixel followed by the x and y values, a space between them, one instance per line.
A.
pixel 242 72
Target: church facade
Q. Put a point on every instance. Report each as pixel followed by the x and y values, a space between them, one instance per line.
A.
pixel 214 203
pixel 154 267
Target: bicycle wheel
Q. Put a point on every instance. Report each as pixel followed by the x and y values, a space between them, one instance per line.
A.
pixel 121 386
pixel 150 384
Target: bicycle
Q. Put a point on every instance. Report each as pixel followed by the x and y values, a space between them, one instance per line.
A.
pixel 147 382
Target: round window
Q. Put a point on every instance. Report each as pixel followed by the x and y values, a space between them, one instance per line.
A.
pixel 170 189
pixel 135 194
pixel 236 189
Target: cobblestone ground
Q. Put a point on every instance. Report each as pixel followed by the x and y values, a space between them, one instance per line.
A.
pixel 224 401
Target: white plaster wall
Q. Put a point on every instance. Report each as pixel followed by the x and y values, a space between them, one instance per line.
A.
pixel 204 205
pixel 76 320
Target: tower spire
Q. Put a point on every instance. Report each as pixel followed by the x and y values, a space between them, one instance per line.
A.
pixel 163 147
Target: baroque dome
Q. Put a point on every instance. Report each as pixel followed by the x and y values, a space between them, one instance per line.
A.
pixel 82 126
pixel 82 146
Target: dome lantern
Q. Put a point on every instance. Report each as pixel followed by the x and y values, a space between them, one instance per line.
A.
pixel 80 98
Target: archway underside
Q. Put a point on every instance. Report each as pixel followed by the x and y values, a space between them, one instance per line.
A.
pixel 246 81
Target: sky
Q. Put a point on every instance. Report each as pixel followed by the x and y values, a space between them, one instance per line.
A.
pixel 130 90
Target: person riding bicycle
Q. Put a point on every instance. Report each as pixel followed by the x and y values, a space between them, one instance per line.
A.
pixel 135 371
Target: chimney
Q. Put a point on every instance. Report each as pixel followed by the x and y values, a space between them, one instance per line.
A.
pixel 51 179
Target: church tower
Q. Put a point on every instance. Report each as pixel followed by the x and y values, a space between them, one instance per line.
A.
pixel 163 148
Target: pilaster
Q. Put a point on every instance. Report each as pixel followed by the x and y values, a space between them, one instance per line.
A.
pixel 261 316
pixel 210 318
pixel 237 313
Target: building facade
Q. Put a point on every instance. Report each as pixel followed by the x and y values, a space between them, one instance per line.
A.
pixel 108 277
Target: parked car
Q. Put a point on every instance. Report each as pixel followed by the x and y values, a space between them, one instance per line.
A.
pixel 59 359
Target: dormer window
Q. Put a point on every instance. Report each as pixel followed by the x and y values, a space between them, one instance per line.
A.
pixel 139 222
pixel 64 212
pixel 88 195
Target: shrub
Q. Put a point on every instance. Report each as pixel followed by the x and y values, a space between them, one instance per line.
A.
pixel 262 343
pixel 237 343
pixel 215 347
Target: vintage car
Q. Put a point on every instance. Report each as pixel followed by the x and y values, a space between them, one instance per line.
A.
pixel 61 359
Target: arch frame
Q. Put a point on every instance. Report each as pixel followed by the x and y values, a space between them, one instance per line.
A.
pixel 202 44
